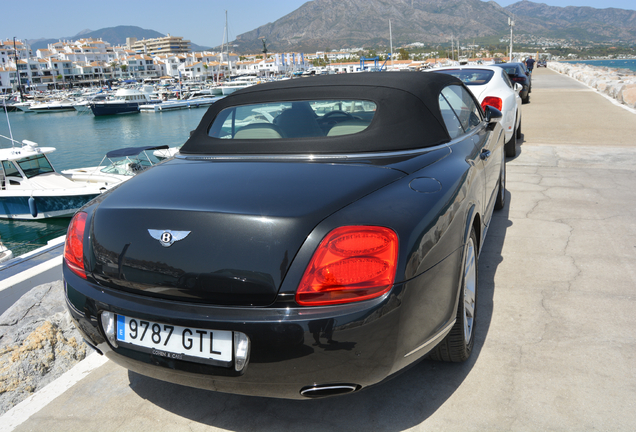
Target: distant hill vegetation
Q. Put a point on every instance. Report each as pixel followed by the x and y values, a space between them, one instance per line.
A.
pixel 583 23
pixel 323 24
pixel 330 24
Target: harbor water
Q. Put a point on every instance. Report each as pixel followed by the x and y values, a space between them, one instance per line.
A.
pixel 614 64
pixel 82 140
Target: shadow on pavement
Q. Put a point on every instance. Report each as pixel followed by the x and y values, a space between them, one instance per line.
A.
pixel 400 403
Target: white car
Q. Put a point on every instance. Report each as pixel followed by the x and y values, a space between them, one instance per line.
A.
pixel 491 86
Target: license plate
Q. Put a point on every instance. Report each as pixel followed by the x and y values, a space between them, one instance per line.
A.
pixel 176 342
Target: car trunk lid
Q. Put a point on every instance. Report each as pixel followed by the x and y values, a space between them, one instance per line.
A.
pixel 233 227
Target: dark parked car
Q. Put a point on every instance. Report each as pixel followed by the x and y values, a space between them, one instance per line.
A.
pixel 542 63
pixel 517 74
pixel 313 237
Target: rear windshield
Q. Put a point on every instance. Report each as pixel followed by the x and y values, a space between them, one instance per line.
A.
pixel 470 76
pixel 297 119
pixel 510 70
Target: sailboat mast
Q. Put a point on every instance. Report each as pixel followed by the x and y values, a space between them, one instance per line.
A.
pixel 17 70
pixel 227 47
pixel 391 43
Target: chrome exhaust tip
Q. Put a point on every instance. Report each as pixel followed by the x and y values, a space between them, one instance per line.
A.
pixel 325 390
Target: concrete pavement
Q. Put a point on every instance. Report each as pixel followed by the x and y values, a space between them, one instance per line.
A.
pixel 556 340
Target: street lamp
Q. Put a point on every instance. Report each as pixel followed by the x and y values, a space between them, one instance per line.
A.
pixel 511 23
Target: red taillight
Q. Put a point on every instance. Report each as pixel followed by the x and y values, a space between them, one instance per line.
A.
pixel 518 79
pixel 74 247
pixel 492 101
pixel 352 263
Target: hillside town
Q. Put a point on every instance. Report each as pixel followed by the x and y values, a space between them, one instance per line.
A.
pixel 89 62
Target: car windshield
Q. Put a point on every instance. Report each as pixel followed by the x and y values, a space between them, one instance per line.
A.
pixel 470 76
pixel 35 165
pixel 297 119
pixel 511 70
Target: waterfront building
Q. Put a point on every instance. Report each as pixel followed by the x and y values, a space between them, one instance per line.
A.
pixel 166 44
pixel 141 66
pixel 84 50
pixel 8 78
pixel 7 51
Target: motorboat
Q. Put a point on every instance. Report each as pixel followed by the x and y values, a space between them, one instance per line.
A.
pixel 124 164
pixel 194 102
pixel 230 87
pixel 167 153
pixel 125 101
pixel 8 103
pixel 24 106
pixel 30 188
pixel 52 106
pixel 84 106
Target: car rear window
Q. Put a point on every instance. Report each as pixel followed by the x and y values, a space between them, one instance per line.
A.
pixel 510 70
pixel 470 76
pixel 294 119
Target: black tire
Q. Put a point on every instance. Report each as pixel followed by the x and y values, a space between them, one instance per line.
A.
pixel 511 146
pixel 518 134
pixel 458 344
pixel 526 99
pixel 501 192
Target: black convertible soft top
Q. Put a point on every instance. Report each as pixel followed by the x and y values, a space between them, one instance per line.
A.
pixel 407 115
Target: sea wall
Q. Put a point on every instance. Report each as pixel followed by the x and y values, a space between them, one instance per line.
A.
pixel 619 84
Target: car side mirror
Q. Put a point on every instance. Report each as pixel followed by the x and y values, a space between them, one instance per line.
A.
pixel 493 116
pixel 518 87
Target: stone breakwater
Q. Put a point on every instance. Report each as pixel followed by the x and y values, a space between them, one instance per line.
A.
pixel 38 343
pixel 619 84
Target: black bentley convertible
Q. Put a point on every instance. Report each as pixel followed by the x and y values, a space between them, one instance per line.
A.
pixel 312 238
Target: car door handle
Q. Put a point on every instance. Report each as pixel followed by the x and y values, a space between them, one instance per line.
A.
pixel 485 154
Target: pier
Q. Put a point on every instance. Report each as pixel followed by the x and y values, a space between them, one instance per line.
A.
pixel 555 343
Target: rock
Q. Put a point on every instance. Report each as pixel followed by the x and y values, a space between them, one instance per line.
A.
pixel 628 94
pixel 619 84
pixel 38 343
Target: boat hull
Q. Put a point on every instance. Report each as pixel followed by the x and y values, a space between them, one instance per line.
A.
pixel 115 108
pixel 50 109
pixel 17 207
pixel 229 90
pixel 176 105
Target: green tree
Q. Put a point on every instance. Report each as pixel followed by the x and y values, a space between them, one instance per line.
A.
pixel 403 55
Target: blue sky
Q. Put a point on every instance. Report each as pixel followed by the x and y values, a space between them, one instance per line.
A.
pixel 200 21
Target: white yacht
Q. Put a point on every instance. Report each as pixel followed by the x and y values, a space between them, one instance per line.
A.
pixel 230 87
pixel 31 189
pixel 124 163
pixel 52 106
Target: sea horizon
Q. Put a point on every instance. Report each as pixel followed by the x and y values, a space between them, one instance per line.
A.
pixel 629 64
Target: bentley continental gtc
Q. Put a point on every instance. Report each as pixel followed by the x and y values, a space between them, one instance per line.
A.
pixel 312 237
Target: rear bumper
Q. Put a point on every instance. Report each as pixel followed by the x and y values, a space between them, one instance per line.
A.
pixel 290 348
pixel 358 344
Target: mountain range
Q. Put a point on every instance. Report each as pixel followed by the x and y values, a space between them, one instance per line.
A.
pixel 326 24
pixel 113 35
pixel 329 24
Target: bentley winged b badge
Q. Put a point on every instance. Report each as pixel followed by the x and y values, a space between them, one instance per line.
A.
pixel 167 237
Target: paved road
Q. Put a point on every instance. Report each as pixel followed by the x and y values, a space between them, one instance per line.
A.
pixel 556 343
